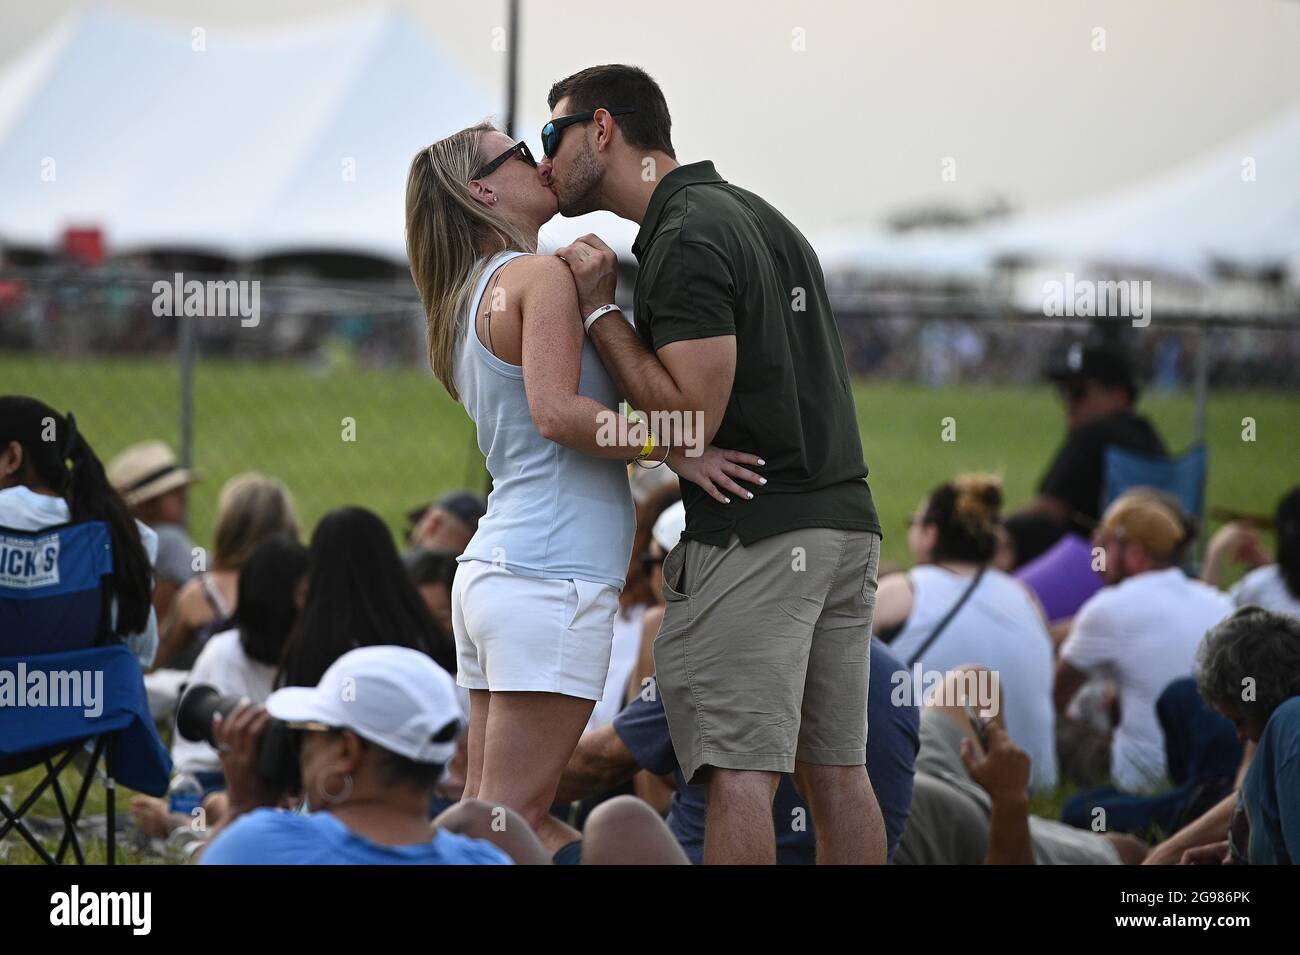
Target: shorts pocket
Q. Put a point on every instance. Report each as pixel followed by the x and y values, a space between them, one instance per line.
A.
pixel 572 602
pixel 872 571
pixel 586 601
pixel 675 573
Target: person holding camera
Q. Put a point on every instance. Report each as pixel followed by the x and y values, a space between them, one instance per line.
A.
pixel 239 662
pixel 371 739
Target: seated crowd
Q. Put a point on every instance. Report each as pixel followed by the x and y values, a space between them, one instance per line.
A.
pixel 1173 705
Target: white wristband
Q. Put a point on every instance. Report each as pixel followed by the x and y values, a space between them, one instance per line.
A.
pixel 591 319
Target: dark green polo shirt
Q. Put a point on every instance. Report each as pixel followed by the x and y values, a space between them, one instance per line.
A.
pixel 718 260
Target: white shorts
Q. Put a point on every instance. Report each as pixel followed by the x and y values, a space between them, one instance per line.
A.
pixel 516 633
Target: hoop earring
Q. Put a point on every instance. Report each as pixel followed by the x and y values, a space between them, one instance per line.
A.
pixel 344 792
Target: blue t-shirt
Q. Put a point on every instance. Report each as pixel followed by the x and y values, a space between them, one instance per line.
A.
pixel 1270 793
pixel 893 739
pixel 277 837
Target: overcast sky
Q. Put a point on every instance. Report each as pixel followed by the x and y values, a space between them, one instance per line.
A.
pixel 842 111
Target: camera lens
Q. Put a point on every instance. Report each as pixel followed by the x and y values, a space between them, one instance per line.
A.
pixel 197 707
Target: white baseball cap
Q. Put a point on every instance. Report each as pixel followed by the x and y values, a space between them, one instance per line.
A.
pixel 668 528
pixel 394 697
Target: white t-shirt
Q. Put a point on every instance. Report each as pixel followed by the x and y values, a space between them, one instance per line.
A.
pixel 223 663
pixel 1264 587
pixel 23 509
pixel 622 661
pixel 1143 634
pixel 999 627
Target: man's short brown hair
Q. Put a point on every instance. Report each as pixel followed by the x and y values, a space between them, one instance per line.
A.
pixel 603 87
pixel 1154 520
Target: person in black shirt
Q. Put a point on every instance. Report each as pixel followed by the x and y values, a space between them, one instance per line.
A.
pixel 763 658
pixel 1098 388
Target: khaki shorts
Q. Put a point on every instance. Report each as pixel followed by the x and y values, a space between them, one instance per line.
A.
pixel 764 654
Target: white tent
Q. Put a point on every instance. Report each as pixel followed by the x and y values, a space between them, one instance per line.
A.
pixel 870 250
pixel 243 142
pixel 1237 205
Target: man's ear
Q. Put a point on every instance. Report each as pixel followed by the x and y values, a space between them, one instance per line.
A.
pixel 605 127
pixel 1137 557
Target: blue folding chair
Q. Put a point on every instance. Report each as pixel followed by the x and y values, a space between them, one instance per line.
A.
pixel 1182 476
pixel 67 684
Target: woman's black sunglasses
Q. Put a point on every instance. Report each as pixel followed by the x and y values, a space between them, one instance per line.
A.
pixel 551 131
pixel 519 149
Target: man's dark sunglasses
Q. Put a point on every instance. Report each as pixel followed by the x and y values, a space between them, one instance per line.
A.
pixel 519 149
pixel 551 131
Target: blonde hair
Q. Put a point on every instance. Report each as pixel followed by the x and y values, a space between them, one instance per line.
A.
pixel 250 508
pixel 1151 518
pixel 449 236
pixel 978 500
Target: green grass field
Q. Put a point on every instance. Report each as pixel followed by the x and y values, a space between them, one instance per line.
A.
pixel 412 442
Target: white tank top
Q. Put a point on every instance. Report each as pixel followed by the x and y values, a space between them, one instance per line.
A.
pixel 553 512
pixel 1000 628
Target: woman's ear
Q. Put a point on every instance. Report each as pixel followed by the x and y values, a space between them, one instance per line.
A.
pixel 482 192
pixel 11 460
pixel 352 754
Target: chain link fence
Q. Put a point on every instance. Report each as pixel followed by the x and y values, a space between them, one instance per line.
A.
pixel 327 388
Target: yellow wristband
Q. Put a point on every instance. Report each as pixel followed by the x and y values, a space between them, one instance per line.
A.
pixel 634 417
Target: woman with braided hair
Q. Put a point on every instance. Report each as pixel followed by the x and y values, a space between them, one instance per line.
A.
pixel 50 475
pixel 955 608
